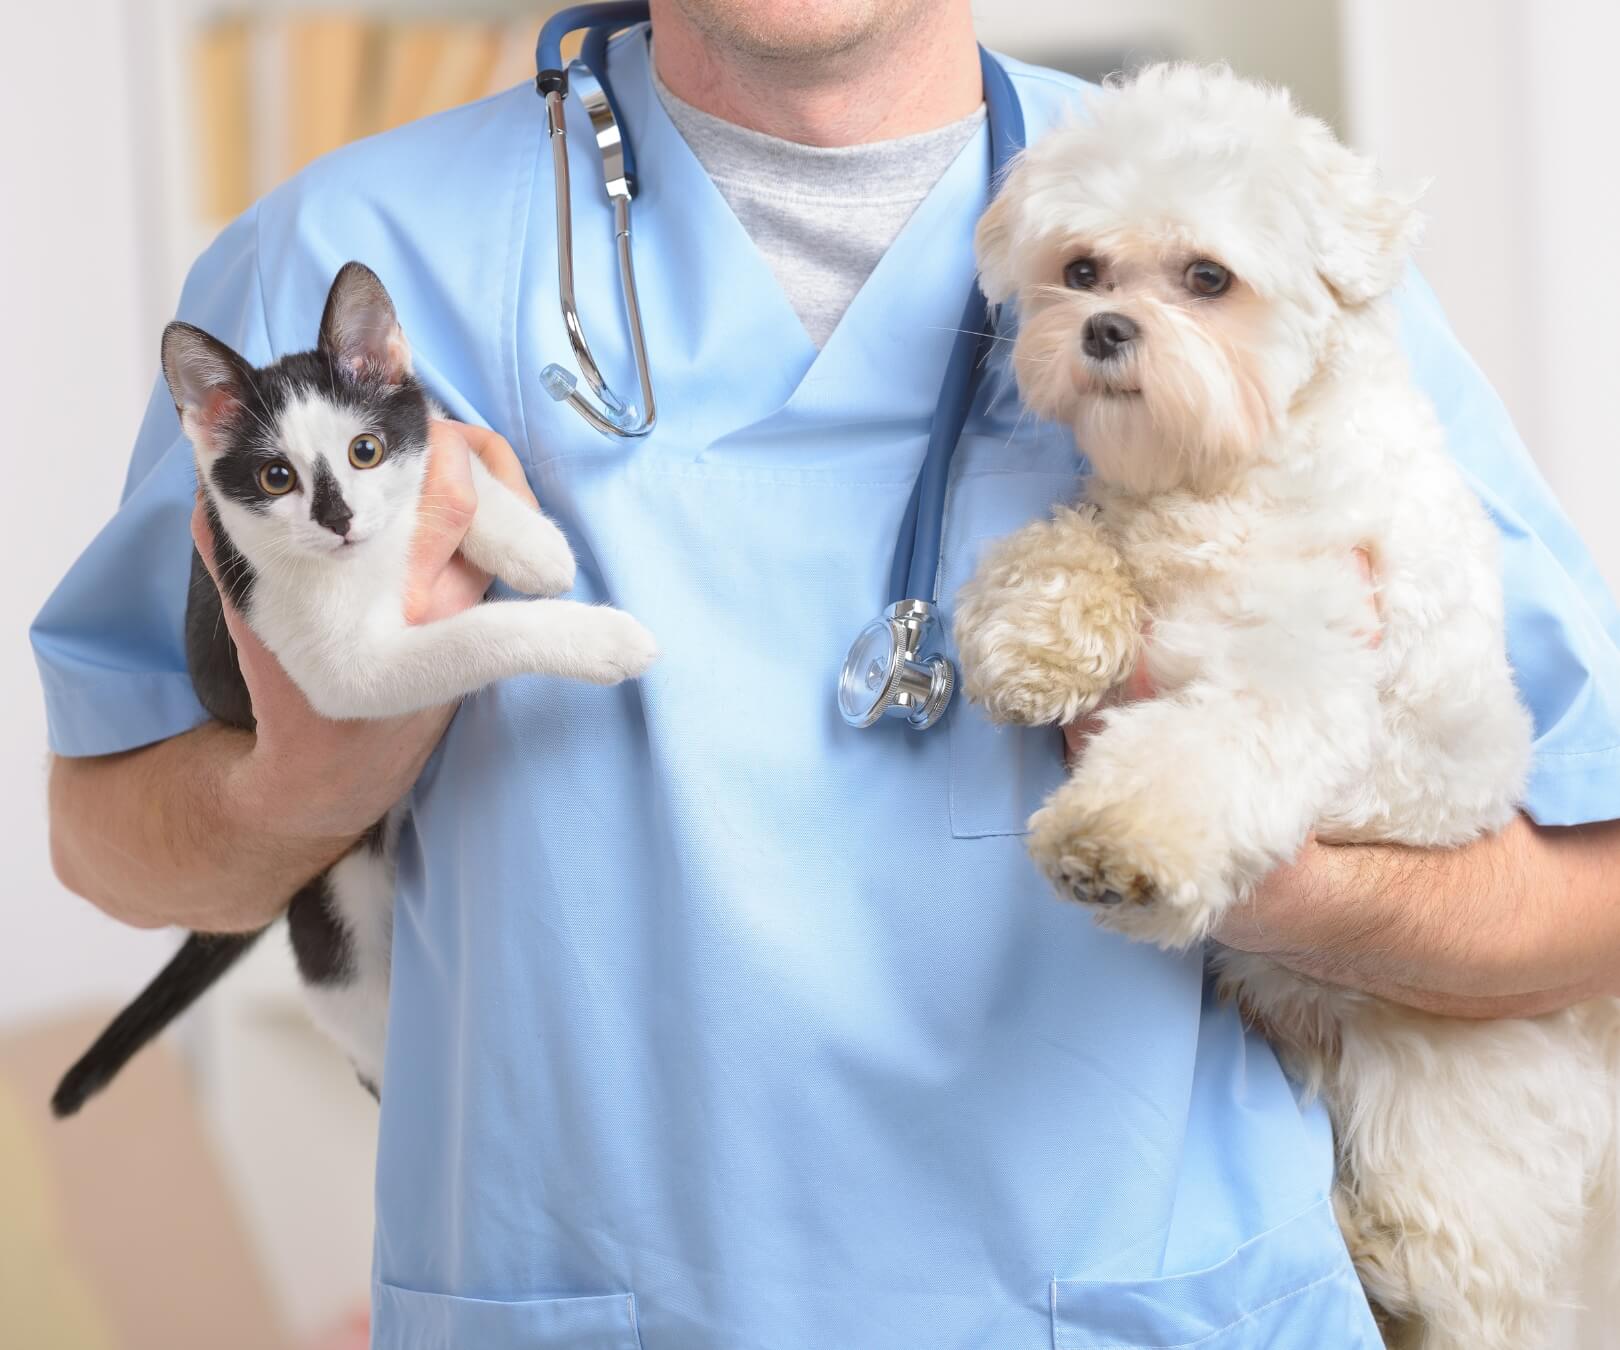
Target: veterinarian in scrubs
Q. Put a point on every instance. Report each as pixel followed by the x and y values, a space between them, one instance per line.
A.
pixel 716 1024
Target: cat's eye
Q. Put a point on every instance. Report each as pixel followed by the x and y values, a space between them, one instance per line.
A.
pixel 1208 279
pixel 277 478
pixel 1081 274
pixel 366 451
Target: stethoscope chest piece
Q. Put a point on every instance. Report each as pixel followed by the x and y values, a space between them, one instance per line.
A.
pixel 895 668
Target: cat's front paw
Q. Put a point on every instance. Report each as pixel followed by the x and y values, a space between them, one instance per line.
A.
pixel 1140 870
pixel 541 563
pixel 613 647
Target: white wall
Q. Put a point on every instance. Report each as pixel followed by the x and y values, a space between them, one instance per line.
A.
pixel 1507 107
pixel 73 369
pixel 1572 195
pixel 1293 42
pixel 1439 103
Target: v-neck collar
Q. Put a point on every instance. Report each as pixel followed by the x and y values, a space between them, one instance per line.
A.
pixel 884 360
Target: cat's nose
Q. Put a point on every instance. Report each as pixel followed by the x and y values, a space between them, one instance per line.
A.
pixel 326 505
pixel 335 517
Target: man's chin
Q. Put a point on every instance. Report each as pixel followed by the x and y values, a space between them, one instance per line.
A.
pixel 790 30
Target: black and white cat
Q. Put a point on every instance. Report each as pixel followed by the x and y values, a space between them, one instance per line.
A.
pixel 312 470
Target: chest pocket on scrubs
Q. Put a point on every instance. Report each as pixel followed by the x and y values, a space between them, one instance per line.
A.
pixel 407 1319
pixel 1293 1285
pixel 999 775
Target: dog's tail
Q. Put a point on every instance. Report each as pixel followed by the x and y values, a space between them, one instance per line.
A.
pixel 196 966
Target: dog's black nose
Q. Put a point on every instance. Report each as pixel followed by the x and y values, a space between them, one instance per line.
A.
pixel 1106 335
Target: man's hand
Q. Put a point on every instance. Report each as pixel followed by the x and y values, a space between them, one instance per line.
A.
pixel 307 776
pixel 216 829
pixel 1522 922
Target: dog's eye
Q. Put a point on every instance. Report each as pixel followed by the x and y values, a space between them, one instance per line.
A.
pixel 366 451
pixel 1208 278
pixel 1081 274
pixel 277 478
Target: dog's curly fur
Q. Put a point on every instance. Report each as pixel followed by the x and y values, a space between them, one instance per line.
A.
pixel 1038 650
pixel 1245 444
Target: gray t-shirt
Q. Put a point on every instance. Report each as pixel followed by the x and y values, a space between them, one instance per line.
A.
pixel 821 216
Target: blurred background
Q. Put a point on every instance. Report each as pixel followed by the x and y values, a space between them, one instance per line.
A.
pixel 221 1195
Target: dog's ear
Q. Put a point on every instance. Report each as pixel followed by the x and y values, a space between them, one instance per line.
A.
pixel 1365 232
pixel 993 244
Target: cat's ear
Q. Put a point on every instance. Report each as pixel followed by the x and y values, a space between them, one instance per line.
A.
pixel 360 331
pixel 208 381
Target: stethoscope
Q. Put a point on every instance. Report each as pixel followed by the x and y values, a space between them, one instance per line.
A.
pixel 897 666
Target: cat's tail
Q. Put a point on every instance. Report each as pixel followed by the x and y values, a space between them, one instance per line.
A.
pixel 200 961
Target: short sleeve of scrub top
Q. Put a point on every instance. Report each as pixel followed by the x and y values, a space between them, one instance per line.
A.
pixel 110 641
pixel 1562 622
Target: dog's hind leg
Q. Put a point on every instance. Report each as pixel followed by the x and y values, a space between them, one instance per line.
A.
pixel 1467 1154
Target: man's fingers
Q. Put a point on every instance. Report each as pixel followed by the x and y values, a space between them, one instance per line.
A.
pixel 1075 736
pixel 499 458
pixel 203 537
pixel 449 498
pixel 447 469
pixel 440 582
pixel 448 503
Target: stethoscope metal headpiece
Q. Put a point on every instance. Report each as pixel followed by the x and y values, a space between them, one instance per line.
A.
pixel 602 408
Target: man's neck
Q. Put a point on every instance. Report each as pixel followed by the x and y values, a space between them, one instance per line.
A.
pixel 916 77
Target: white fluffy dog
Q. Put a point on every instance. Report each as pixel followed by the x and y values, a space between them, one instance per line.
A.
pixel 1202 275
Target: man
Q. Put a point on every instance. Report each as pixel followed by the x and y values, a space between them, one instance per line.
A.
pixel 717 1024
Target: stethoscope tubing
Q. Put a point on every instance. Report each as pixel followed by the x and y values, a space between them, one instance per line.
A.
pixel 919 680
pixel 608 18
pixel 915 571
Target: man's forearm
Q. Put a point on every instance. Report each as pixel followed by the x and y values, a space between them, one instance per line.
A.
pixel 1516 924
pixel 161 835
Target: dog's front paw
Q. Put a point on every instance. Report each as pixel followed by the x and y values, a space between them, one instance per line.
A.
pixel 1131 863
pixel 1048 625
pixel 614 647
pixel 1020 681
pixel 542 563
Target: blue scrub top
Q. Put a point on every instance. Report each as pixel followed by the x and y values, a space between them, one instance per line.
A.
pixel 716 1024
